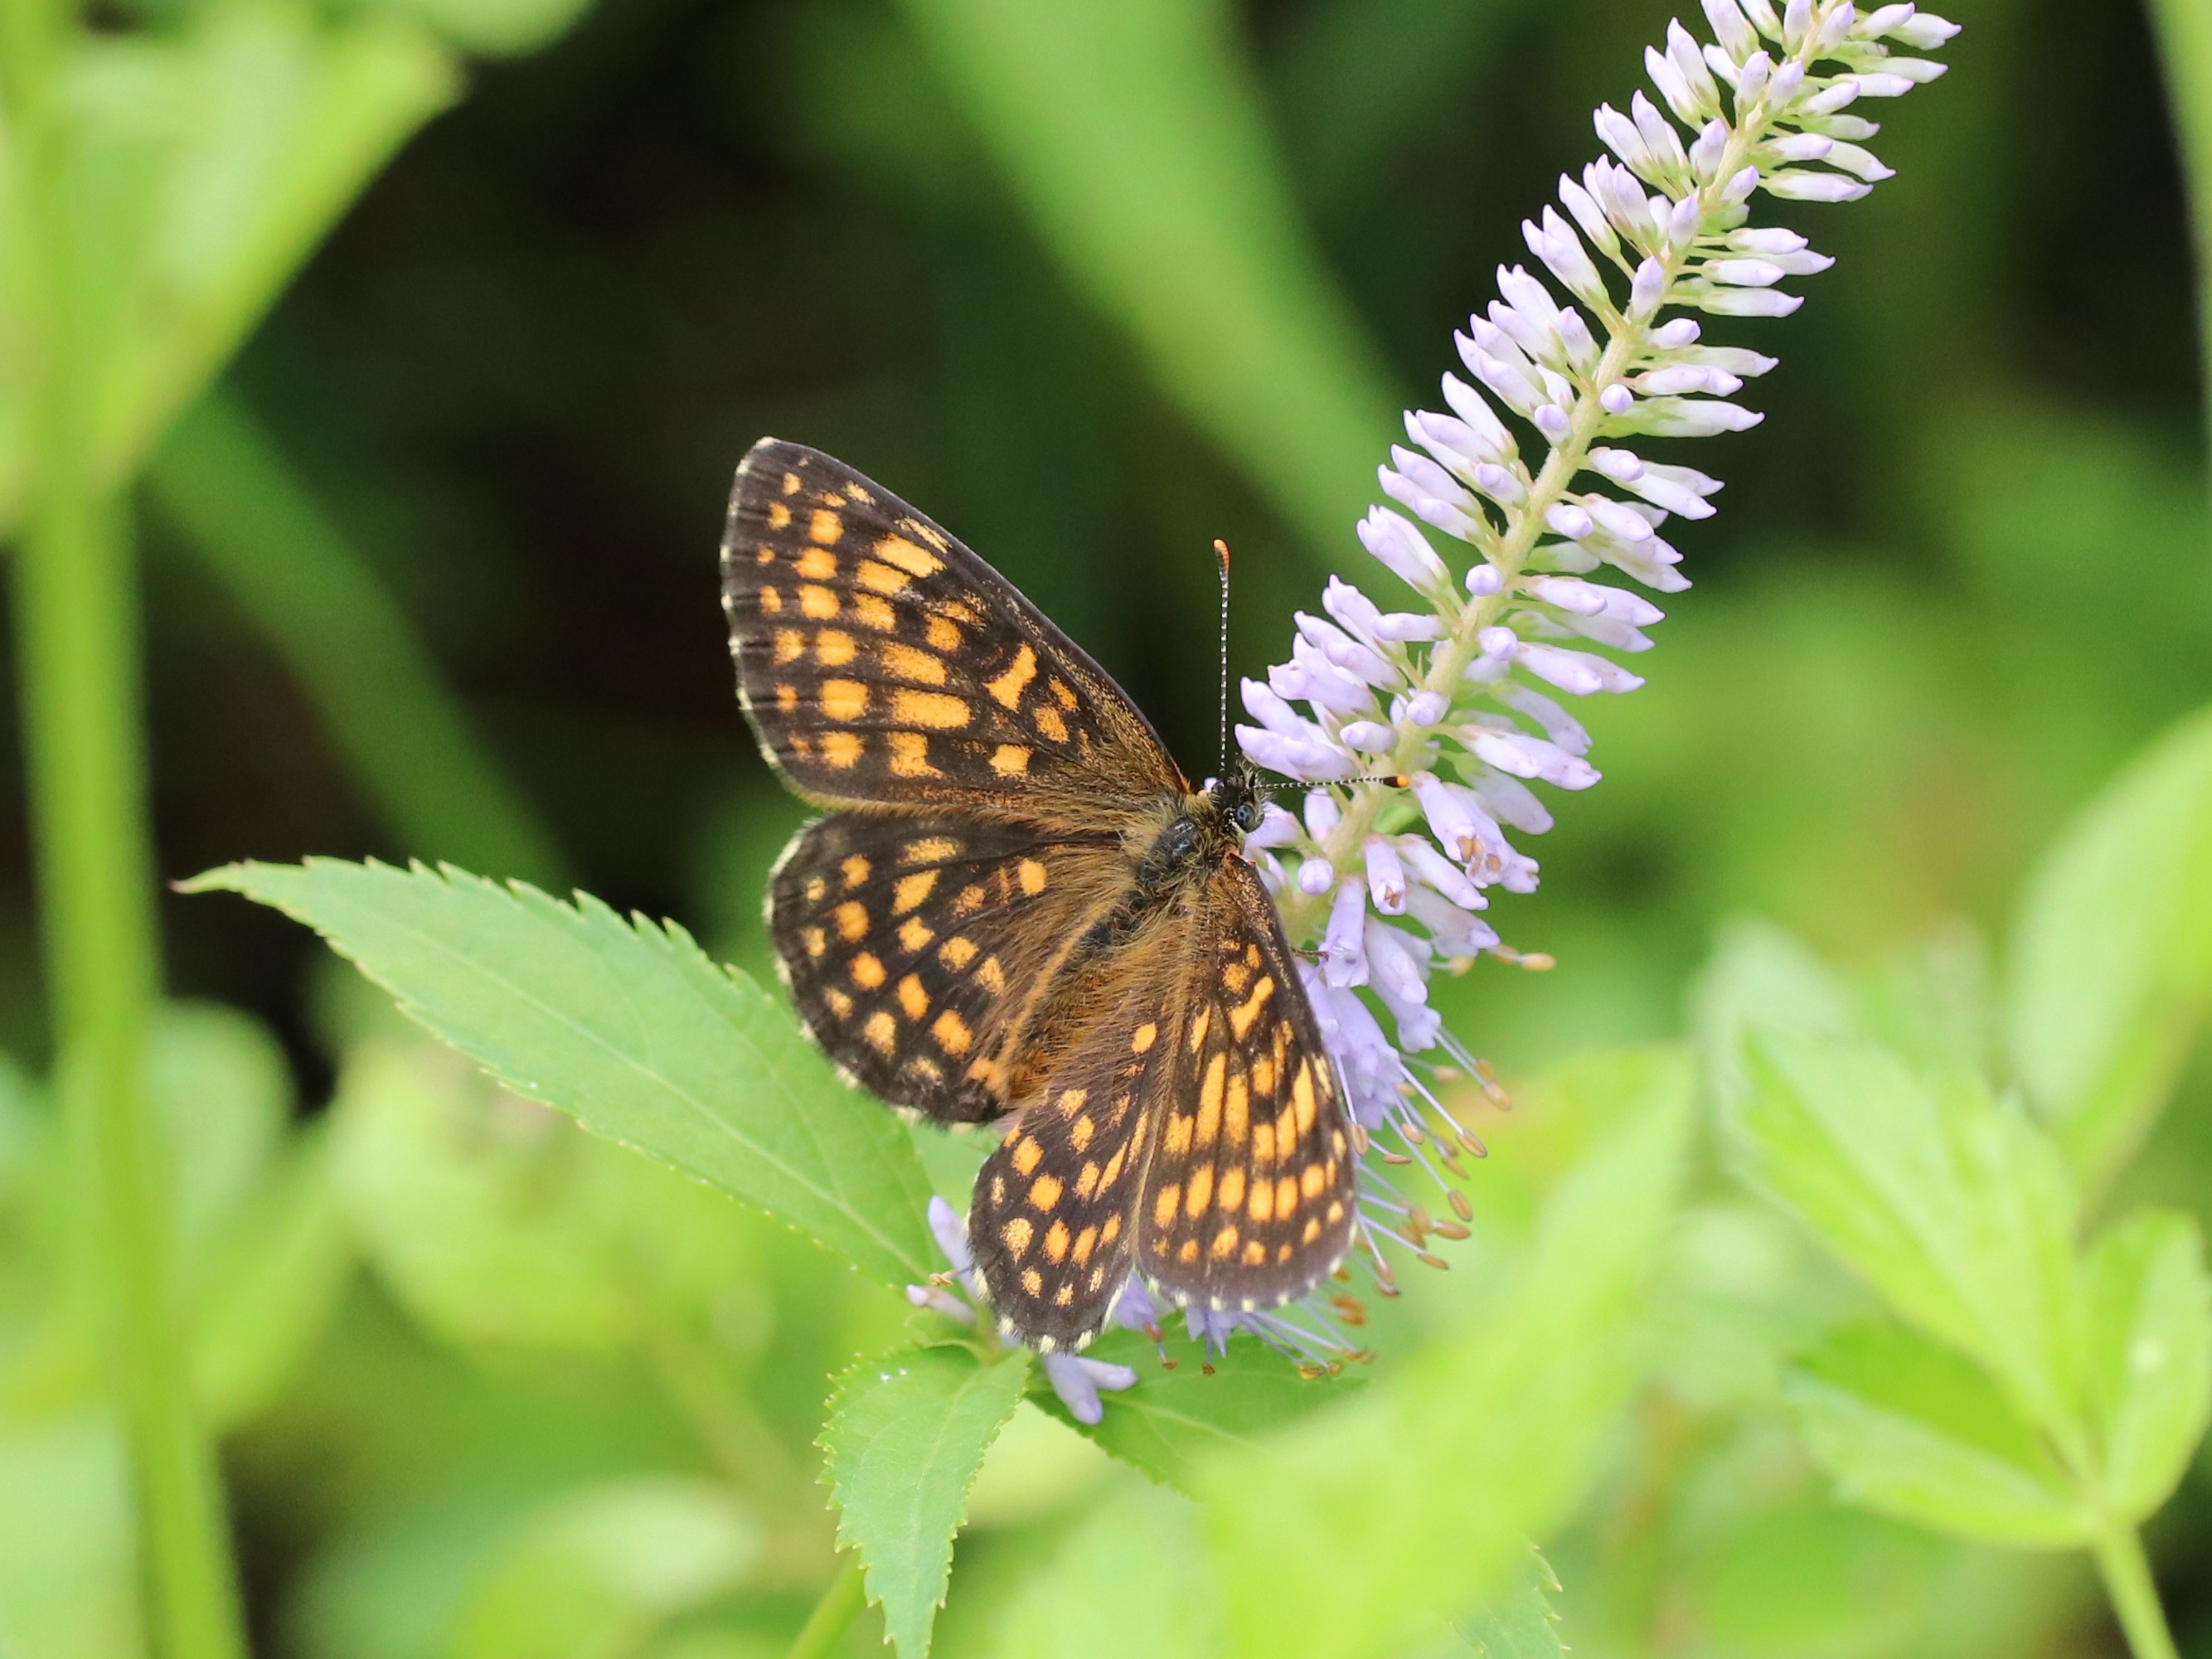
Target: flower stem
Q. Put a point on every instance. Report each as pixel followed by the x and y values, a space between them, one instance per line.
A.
pixel 1303 912
pixel 834 1614
pixel 2135 1598
pixel 76 617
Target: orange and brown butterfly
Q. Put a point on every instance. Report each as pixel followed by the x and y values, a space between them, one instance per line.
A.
pixel 1018 910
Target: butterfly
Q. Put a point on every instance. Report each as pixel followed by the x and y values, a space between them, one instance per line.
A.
pixel 1017 910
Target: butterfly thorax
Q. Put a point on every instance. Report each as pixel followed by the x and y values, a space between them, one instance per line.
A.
pixel 1206 826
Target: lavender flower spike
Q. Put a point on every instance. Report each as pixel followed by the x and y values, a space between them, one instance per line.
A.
pixel 1422 732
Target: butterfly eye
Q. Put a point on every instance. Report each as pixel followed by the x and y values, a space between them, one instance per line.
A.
pixel 1246 816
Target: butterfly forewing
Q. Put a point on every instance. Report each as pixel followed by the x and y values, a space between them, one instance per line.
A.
pixel 882 661
pixel 916 943
pixel 1248 1194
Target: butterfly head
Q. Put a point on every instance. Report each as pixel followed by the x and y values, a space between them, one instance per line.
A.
pixel 1238 799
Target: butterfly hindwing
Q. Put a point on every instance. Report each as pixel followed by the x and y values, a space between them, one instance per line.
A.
pixel 1248 1196
pixel 915 943
pixel 882 661
pixel 1053 1217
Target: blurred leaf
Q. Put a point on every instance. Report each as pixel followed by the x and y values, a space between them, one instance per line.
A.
pixel 207 165
pixel 257 526
pixel 1932 1002
pixel 906 1434
pixel 271 1287
pixel 596 1573
pixel 68 1582
pixel 499 1223
pixel 2183 29
pixel 2113 954
pixel 1761 977
pixel 1517 1620
pixel 466 1198
pixel 1956 1210
pixel 1172 1420
pixel 1362 1528
pixel 2150 1357
pixel 1414 57
pixel 627 1026
pixel 1915 1431
pixel 1135 137
pixel 1130 1578
pixel 494 29
pixel 222 1092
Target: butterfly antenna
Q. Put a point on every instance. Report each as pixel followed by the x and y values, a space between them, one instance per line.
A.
pixel 1221 553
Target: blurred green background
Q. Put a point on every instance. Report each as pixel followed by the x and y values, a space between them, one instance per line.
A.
pixel 433 576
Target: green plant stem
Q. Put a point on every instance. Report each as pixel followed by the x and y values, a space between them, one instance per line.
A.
pixel 2135 1598
pixel 834 1614
pixel 76 618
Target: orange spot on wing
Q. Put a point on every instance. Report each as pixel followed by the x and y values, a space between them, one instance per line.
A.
pixel 1007 687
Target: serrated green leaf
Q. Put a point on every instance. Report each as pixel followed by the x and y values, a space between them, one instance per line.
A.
pixel 628 1027
pixel 1517 1620
pixel 1131 1579
pixel 906 1434
pixel 2150 1356
pixel 1958 1211
pixel 1173 1419
pixel 1917 1432
pixel 1358 1530
pixel 2112 976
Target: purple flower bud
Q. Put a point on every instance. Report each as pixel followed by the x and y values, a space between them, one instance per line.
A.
pixel 1369 1063
pixel 1483 580
pixel 1616 400
pixel 1343 957
pixel 1386 877
pixel 1561 727
pixel 1344 651
pixel 938 1300
pixel 1276 828
pixel 1568 521
pixel 1134 1309
pixel 1452 817
pixel 1425 707
pixel 1530 757
pixel 1077 1381
pixel 1371 737
pixel 1500 485
pixel 1401 548
pixel 949 1229
pixel 1322 811
pixel 1552 421
pixel 1431 866
pixel 1577 672
pixel 1456 933
pixel 1310 759
pixel 1315 876
pixel 1644 291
